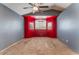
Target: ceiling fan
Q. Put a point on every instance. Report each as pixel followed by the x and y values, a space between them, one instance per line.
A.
pixel 36 7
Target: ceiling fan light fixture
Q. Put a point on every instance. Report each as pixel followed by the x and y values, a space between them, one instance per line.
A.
pixel 35 8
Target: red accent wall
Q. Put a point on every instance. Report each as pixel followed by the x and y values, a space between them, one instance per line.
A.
pixel 27 31
pixel 53 32
pixel 42 33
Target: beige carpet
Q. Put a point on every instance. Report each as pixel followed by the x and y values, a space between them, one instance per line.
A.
pixel 39 46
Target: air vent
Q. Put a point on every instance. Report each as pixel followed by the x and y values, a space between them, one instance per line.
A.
pixel 43 6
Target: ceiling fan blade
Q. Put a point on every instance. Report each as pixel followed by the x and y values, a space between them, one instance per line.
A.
pixel 27 7
pixel 43 6
pixel 31 4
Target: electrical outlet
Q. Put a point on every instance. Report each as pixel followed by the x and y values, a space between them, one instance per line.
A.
pixel 67 41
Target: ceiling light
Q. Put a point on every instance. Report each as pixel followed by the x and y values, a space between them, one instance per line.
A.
pixel 35 8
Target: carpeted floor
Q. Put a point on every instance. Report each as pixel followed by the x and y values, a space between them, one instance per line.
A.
pixel 39 46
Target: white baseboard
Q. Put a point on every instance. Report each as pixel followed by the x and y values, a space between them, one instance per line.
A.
pixel 10 46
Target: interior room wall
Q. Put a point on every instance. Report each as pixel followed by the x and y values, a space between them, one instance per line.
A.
pixel 68 26
pixel 50 12
pixel 11 27
pixel 45 32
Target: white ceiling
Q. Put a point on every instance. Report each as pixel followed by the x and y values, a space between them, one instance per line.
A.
pixel 18 7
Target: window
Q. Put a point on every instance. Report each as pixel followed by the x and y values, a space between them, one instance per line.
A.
pixel 31 25
pixel 40 24
pixel 49 27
